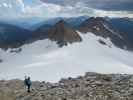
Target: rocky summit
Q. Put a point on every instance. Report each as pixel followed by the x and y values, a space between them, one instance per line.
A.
pixel 91 86
pixel 63 34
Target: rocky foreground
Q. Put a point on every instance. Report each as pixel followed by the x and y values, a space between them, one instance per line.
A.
pixel 91 86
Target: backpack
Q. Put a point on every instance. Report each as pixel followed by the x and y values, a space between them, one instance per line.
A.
pixel 27 82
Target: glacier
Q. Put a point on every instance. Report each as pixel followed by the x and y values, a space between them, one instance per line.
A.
pixel 44 60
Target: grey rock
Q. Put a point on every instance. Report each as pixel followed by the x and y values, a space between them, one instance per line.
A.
pixel 91 86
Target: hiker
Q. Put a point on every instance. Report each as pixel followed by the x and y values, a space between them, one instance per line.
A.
pixel 25 82
pixel 28 83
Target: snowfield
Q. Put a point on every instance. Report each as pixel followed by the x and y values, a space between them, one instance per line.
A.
pixel 44 60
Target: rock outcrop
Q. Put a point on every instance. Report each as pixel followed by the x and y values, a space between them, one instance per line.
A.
pixel 61 32
pixel 92 86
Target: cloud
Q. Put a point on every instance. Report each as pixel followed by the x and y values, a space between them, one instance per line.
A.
pixel 19 9
pixel 103 13
pixel 79 9
pixel 98 4
pixel 6 5
pixel 21 3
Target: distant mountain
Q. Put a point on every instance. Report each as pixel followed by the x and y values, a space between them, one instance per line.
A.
pixel 41 32
pixel 26 23
pixel 101 27
pixel 76 21
pixel 72 21
pixel 12 36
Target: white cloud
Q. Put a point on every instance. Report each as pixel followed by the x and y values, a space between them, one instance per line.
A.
pixel 42 10
pixel 80 9
pixel 9 5
pixel 21 3
pixel 17 9
pixel 114 13
pixel 5 4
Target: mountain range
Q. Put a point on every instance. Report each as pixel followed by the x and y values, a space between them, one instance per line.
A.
pixel 86 43
pixel 12 35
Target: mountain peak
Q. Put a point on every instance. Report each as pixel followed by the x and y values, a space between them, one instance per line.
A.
pixel 62 25
pixel 63 34
pixel 61 22
pixel 92 22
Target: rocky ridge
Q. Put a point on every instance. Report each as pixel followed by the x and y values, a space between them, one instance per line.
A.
pixel 103 28
pixel 91 86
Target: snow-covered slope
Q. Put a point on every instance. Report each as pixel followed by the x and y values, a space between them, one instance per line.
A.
pixel 44 60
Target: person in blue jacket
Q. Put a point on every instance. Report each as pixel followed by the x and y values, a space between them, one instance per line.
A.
pixel 28 83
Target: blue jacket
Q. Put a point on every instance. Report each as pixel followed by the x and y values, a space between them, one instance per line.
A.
pixel 27 82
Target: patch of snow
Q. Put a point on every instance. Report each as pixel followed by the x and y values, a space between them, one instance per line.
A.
pixel 44 60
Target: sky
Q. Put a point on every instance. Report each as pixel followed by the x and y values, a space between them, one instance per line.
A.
pixel 10 9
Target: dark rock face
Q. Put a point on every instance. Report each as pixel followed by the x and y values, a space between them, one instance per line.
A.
pixel 63 34
pixel 17 50
pixel 92 24
pixel 100 27
pixel 91 86
pixel 102 42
